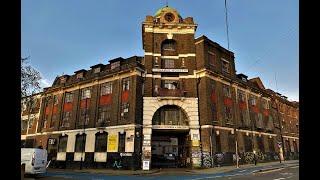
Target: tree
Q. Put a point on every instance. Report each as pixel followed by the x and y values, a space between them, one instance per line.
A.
pixel 30 85
pixel 30 79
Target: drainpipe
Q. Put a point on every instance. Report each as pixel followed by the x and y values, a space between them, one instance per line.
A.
pixel 198 83
pixel 280 123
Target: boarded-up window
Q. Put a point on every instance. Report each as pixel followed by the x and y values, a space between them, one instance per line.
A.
pixel 80 143
pixel 247 144
pixel 122 142
pixel 101 142
pixel 62 147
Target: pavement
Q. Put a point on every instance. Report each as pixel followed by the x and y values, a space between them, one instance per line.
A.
pixel 250 171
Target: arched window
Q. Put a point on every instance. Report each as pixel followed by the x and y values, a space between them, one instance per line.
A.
pixel 168 47
pixel 170 115
pixel 101 142
pixel 62 147
pixel 80 143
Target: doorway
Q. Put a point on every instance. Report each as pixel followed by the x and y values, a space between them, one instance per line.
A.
pixel 170 149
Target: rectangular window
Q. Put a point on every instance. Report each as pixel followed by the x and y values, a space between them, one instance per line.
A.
pixel 225 66
pixel 66 119
pixel 80 75
pixel 271 145
pixel 211 58
pixel 227 113
pixel 124 111
pixel 96 70
pixel 265 104
pixel 247 144
pixel 31 122
pixel 80 143
pixel 62 147
pixel 115 65
pixel 122 142
pixel 125 84
pixel 53 119
pixel 55 100
pixel 86 93
pixel 101 142
pixel 170 84
pixel 168 63
pixel 84 118
pixel 241 96
pixel 260 144
pixel 218 144
pixel 68 97
pixel 231 143
pixel 226 91
pixel 45 121
pixel 252 100
pixel 104 115
pixel 24 125
pixel 106 88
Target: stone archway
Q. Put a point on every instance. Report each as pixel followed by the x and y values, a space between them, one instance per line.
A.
pixel 189 106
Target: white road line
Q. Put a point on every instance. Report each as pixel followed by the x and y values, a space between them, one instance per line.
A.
pixel 294 167
pixel 279 178
pixel 242 170
pixel 271 170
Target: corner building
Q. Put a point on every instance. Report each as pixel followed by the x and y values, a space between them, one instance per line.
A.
pixel 181 105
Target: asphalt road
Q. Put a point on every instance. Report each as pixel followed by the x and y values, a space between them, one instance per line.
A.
pixel 284 173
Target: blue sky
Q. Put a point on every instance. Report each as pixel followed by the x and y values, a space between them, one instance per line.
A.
pixel 64 36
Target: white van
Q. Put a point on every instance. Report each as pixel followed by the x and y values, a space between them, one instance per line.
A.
pixel 34 159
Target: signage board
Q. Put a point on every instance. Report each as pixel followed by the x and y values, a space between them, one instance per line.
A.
pixel 169 127
pixel 113 143
pixel 125 154
pixel 169 70
pixel 146 165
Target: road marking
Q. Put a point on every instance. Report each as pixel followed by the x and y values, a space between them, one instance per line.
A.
pixel 242 170
pixel 271 170
pixel 294 167
pixel 279 178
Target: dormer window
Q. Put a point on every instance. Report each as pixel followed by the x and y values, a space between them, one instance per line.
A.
pixel 97 70
pixel 244 79
pixel 225 66
pixel 115 65
pixel 80 75
pixel 63 80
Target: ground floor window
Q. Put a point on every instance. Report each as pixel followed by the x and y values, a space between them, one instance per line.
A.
pixel 80 143
pixel 101 142
pixel 62 147
pixel 231 143
pixel 260 143
pixel 271 145
pixel 218 143
pixel 247 144
pixel 122 142
pixel 295 146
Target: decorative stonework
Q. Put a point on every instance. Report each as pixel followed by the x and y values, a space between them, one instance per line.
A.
pixel 190 108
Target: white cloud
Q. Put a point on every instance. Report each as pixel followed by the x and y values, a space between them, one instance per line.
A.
pixel 45 83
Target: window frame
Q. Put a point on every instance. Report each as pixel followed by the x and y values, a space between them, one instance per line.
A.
pixel 64 147
pixel 80 143
pixel 101 145
pixel 106 89
pixel 212 62
pixel 225 69
pixel 126 84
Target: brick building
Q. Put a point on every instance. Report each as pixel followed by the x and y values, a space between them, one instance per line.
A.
pixel 181 104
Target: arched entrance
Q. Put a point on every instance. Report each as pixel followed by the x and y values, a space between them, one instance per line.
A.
pixel 170 145
pixel 170 117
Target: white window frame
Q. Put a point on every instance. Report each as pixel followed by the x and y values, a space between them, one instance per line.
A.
pixel 222 65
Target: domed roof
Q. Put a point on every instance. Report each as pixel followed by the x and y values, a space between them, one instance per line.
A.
pixel 166 8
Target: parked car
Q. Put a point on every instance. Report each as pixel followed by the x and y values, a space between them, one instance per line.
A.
pixel 34 160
